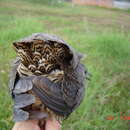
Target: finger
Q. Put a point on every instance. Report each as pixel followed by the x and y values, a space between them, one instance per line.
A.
pixel 52 124
pixel 26 125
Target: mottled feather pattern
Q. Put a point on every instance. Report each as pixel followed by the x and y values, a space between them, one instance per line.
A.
pixel 55 74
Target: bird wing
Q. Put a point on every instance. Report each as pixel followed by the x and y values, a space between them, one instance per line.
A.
pixel 19 84
pixel 14 75
pixel 51 96
pixel 48 92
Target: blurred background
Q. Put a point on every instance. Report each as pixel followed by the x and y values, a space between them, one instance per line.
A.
pixel 97 28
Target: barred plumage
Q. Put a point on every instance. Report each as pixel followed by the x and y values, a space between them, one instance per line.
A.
pixel 40 58
pixel 50 70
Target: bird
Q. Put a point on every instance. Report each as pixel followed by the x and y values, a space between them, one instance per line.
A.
pixel 47 79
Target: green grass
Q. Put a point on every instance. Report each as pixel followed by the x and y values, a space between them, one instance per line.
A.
pixel 102 34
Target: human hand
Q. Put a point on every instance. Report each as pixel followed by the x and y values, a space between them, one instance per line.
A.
pixel 33 125
pixel 52 124
pixel 26 125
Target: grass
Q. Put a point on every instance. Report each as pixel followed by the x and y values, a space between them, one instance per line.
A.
pixel 102 34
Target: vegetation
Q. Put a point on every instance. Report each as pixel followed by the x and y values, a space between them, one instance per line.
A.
pixel 103 35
